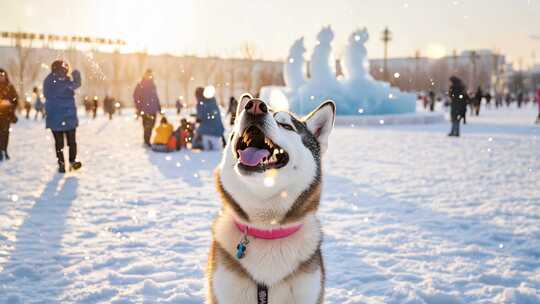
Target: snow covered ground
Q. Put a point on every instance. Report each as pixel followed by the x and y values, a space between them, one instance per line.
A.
pixel 409 215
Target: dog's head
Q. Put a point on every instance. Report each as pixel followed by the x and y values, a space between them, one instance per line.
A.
pixel 272 157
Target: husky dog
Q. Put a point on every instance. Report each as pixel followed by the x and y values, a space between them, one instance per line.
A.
pixel 266 244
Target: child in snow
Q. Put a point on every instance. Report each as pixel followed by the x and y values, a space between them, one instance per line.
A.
pixel 162 134
pixel 183 134
pixel 59 90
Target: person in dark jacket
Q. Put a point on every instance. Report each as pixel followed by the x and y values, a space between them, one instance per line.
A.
pixel 458 105
pixel 39 106
pixel 94 105
pixel 477 101
pixel 431 101
pixel 519 99
pixel 209 117
pixel 147 104
pixel 59 90
pixel 8 104
pixel 108 106
pixel 233 104
pixel 488 100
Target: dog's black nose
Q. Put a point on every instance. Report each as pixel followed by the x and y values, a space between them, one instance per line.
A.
pixel 256 107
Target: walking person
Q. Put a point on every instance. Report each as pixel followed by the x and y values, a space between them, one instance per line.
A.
pixel 59 90
pixel 147 104
pixel 27 107
pixel 94 107
pixel 233 104
pixel 477 101
pixel 108 106
pixel 538 102
pixel 488 100
pixel 209 117
pixel 458 105
pixel 519 99
pixel 431 101
pixel 8 103
pixel 39 106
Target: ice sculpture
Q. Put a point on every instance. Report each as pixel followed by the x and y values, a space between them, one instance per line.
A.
pixel 357 93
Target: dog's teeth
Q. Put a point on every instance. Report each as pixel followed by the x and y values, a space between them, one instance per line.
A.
pixel 275 152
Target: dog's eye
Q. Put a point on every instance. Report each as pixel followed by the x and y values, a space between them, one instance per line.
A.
pixel 286 126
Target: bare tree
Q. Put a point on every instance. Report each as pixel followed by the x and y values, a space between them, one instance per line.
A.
pixel 24 63
pixel 185 74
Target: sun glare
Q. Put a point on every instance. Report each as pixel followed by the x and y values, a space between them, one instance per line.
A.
pixel 436 51
pixel 172 28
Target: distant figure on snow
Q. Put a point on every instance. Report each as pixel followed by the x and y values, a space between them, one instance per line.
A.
pixel 94 107
pixel 8 104
pixel 431 101
pixel 538 102
pixel 233 104
pixel 458 105
pixel 209 117
pixel 39 106
pixel 147 104
pixel 27 108
pixel 108 106
pixel 477 101
pixel 59 90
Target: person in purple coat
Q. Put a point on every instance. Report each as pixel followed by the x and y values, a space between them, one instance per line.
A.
pixel 147 104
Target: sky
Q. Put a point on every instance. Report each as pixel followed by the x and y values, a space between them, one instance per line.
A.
pixel 213 27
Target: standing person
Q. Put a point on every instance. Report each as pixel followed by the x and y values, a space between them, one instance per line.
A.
pixel 27 107
pixel 477 101
pixel 519 99
pixel 538 101
pixel 209 117
pixel 59 90
pixel 458 105
pixel 147 104
pixel 108 106
pixel 8 104
pixel 488 100
pixel 431 101
pixel 39 106
pixel 94 107
pixel 179 106
pixel 233 104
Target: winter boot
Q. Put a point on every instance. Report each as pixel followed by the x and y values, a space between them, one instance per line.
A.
pixel 61 167
pixel 1 155
pixel 74 166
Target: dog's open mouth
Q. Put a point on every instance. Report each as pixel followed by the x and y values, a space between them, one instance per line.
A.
pixel 256 152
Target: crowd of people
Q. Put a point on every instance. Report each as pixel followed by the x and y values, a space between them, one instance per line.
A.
pixel 202 130
pixel 206 132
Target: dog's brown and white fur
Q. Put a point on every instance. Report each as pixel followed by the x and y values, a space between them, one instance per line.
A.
pixel 291 267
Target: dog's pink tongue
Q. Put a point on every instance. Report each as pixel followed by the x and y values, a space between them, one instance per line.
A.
pixel 252 156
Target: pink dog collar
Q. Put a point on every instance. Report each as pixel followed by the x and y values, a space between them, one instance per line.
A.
pixel 272 234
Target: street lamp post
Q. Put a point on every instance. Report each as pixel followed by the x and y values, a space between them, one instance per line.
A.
pixel 386 38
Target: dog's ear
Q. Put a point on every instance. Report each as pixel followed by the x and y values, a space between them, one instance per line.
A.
pixel 242 102
pixel 320 122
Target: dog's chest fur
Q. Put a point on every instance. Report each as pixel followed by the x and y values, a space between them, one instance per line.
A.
pixel 292 266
